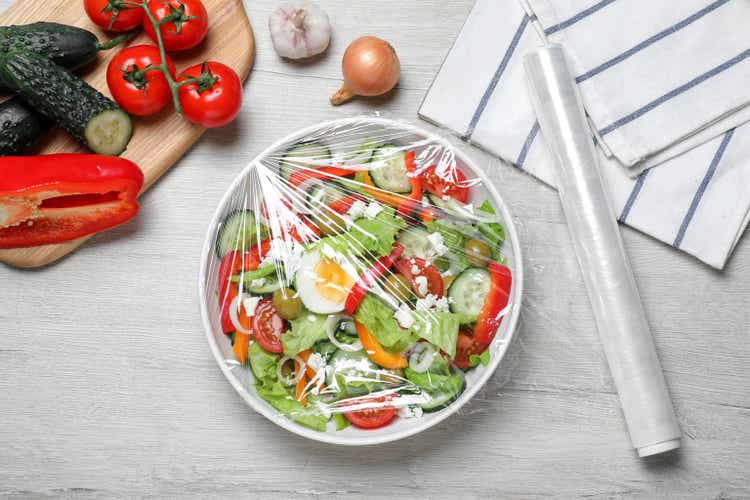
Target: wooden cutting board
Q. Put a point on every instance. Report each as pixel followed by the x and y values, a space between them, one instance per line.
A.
pixel 158 141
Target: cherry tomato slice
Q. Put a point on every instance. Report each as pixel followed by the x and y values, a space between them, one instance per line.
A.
pixel 371 418
pixel 466 346
pixel 267 326
pixel 446 181
pixel 214 106
pixel 413 269
pixel 126 17
pixel 137 92
pixel 186 28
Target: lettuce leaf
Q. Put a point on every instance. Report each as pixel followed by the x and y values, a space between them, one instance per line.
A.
pixel 437 327
pixel 368 238
pixel 283 400
pixel 262 363
pixel 483 359
pixel 493 231
pixel 306 330
pixel 378 319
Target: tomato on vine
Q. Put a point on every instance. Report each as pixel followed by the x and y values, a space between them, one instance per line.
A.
pixel 183 23
pixel 136 83
pixel 214 98
pixel 113 15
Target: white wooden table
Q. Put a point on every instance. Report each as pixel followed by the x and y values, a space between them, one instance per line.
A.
pixel 108 388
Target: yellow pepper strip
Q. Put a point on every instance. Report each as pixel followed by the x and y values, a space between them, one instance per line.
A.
pixel 376 352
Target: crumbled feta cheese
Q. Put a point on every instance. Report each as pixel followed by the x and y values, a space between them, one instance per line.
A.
pixel 425 201
pixel 311 318
pixel 404 317
pixel 438 245
pixel 357 209
pixel 421 282
pixel 410 411
pixel 415 269
pixel 317 362
pixel 432 302
pixel 258 282
pixel 250 303
pixel 373 209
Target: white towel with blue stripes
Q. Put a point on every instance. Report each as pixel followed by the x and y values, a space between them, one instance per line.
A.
pixel 666 88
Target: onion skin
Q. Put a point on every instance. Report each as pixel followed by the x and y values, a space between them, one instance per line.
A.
pixel 370 67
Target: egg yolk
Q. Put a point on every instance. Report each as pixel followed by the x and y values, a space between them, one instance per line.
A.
pixel 333 282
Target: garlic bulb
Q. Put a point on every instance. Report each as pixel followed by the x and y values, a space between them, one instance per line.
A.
pixel 299 29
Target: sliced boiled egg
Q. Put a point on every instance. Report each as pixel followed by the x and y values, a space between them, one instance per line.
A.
pixel 324 281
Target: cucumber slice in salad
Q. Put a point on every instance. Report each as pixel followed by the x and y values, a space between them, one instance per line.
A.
pixel 388 169
pixel 264 286
pixel 415 243
pixel 304 154
pixel 469 290
pixel 239 231
pixel 324 193
pixel 442 389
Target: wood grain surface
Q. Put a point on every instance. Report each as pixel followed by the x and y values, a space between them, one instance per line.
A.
pixel 108 388
pixel 158 141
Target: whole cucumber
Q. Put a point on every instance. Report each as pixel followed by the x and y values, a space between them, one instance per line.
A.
pixel 20 127
pixel 68 46
pixel 85 113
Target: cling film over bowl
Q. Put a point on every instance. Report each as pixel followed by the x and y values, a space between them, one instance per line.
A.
pixel 360 275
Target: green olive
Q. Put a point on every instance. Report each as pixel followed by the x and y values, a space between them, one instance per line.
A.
pixel 330 223
pixel 477 252
pixel 287 303
pixel 398 287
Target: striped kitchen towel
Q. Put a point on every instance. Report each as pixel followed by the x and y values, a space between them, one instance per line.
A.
pixel 696 199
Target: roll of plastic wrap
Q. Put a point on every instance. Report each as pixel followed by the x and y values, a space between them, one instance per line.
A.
pixel 620 318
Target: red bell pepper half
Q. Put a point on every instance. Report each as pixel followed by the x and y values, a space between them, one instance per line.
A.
pixel 370 276
pixel 62 197
pixel 496 300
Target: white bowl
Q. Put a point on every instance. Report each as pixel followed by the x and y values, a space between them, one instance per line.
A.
pixel 240 377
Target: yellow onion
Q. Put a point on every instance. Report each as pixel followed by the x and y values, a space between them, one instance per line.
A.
pixel 371 68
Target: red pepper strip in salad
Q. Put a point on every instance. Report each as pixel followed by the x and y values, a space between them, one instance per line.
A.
pixel 404 203
pixel 62 197
pixel 496 300
pixel 344 204
pixel 370 276
pixel 301 176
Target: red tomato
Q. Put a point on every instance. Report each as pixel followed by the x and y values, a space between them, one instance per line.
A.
pixel 267 326
pixel 414 267
pixel 466 346
pixel 449 181
pixel 139 92
pixel 102 12
pixel 216 105
pixel 371 418
pixel 186 26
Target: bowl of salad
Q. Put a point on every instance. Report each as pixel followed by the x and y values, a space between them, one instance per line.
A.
pixel 361 280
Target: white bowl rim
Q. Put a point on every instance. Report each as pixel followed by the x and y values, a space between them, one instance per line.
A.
pixel 419 425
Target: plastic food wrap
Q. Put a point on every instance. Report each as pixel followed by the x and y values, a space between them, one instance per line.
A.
pixel 360 281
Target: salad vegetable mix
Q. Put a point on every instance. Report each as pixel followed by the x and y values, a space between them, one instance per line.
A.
pixel 360 287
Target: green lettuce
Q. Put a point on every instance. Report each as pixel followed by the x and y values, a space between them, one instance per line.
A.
pixel 437 327
pixel 370 238
pixel 378 318
pixel 436 384
pixel 263 365
pixel 477 359
pixel 306 330
pixel 493 231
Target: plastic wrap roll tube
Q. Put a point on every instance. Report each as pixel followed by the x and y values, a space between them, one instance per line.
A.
pixel 619 314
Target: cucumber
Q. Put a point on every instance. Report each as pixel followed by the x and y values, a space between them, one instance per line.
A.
pixel 442 388
pixel 415 243
pixel 20 127
pixel 469 290
pixel 303 154
pixel 80 109
pixel 324 193
pixel 269 285
pixel 67 46
pixel 352 373
pixel 239 231
pixel 388 169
